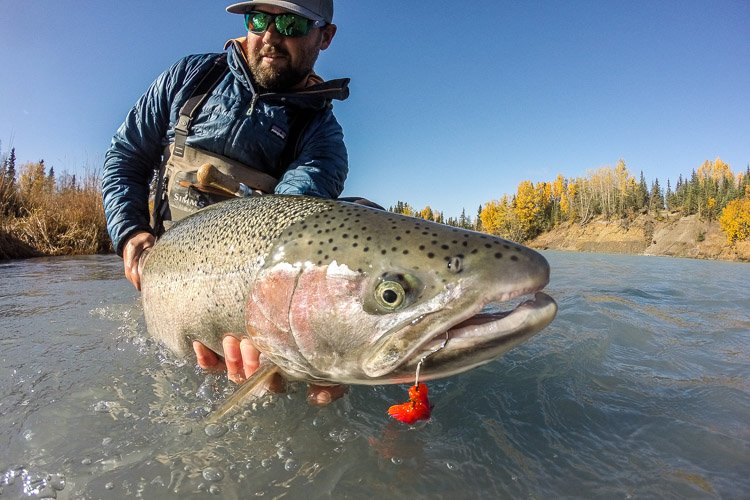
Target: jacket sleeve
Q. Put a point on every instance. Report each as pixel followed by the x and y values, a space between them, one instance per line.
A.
pixel 132 158
pixel 322 165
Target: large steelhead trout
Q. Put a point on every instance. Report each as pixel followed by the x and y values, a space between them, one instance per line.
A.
pixel 338 293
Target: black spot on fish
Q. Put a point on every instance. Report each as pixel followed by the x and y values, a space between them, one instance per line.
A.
pixel 498 255
pixel 430 255
pixel 514 257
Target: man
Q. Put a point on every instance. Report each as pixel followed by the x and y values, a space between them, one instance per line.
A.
pixel 248 108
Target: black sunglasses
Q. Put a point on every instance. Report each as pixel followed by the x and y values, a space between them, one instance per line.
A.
pixel 287 24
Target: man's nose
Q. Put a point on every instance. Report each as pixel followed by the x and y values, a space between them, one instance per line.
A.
pixel 271 35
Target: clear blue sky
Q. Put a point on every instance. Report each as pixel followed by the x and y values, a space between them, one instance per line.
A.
pixel 452 103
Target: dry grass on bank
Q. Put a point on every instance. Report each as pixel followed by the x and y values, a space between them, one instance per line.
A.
pixel 38 218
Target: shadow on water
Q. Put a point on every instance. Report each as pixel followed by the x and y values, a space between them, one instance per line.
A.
pixel 639 388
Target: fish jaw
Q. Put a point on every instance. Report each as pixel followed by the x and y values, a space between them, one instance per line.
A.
pixel 476 341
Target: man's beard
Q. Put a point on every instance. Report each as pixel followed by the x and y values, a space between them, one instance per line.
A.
pixel 281 79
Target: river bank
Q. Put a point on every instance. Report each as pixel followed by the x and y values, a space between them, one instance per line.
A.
pixel 666 235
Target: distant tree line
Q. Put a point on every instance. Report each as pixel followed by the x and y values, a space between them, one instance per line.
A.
pixel 712 192
pixel 427 213
pixel 42 213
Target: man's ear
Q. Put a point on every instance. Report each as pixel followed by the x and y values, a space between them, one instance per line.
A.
pixel 329 31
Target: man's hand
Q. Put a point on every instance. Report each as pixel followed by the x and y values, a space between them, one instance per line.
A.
pixel 131 256
pixel 241 359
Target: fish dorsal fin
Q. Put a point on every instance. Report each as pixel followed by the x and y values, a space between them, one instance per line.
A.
pixel 254 387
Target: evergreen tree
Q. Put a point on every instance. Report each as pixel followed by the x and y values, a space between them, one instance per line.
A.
pixel 51 178
pixel 656 198
pixel 478 225
pixel 668 196
pixel 642 193
pixel 463 221
pixel 10 170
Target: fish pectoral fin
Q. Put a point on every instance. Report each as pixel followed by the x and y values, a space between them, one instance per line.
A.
pixel 254 387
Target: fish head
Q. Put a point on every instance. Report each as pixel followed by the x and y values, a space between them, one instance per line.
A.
pixel 358 295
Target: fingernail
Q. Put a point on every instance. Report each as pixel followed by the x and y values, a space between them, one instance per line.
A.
pixel 323 398
pixel 237 378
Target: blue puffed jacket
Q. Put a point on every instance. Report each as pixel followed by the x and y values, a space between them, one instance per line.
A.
pixel 236 121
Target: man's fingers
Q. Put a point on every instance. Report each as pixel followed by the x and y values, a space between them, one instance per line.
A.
pixel 250 357
pixel 233 359
pixel 241 359
pixel 131 254
pixel 322 395
pixel 207 359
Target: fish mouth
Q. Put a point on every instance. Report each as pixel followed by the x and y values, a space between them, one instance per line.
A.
pixel 477 339
pixel 490 326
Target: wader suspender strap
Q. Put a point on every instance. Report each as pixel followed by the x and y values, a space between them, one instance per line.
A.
pixel 192 105
pixel 210 80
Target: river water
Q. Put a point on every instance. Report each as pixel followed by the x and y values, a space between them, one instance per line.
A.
pixel 640 388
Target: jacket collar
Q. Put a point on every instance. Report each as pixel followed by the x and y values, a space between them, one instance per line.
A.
pixel 316 93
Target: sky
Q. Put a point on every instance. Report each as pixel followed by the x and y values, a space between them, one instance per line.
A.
pixel 452 103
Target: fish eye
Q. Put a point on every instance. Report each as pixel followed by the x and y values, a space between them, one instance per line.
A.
pixel 390 294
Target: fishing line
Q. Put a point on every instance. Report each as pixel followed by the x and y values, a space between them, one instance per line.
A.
pixel 423 358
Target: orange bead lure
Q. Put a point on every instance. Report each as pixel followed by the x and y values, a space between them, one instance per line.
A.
pixel 417 408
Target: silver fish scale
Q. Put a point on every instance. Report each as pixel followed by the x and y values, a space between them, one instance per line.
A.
pixel 208 261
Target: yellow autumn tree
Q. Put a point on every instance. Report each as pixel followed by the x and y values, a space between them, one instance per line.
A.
pixel 567 203
pixel 530 207
pixel 716 170
pixel 735 220
pixel 34 185
pixel 499 218
pixel 426 213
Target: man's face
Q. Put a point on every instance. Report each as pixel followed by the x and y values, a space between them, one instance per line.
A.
pixel 280 63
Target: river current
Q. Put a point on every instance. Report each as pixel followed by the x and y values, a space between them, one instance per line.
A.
pixel 640 388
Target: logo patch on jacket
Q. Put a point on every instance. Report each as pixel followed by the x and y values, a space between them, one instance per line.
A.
pixel 278 131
